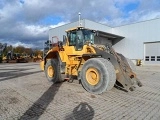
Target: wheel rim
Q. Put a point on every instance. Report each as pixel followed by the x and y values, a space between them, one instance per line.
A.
pixel 92 76
pixel 50 71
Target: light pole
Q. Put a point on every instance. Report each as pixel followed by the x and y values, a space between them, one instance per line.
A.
pixel 79 19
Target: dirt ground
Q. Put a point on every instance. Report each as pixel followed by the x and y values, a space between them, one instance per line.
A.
pixel 25 94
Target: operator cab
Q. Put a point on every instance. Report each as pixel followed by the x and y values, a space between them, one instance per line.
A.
pixel 79 37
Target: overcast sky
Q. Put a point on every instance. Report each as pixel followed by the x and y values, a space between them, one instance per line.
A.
pixel 26 22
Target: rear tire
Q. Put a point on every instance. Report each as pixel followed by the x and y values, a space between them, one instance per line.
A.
pixel 98 75
pixel 52 71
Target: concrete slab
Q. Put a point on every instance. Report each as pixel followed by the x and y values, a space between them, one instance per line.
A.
pixel 26 94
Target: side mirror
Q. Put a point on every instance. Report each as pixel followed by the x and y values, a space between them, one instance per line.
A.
pixel 64 40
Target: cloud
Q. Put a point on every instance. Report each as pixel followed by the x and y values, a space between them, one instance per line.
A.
pixel 23 44
pixel 91 9
pixel 21 20
pixel 144 11
pixel 17 31
pixel 59 24
pixel 27 35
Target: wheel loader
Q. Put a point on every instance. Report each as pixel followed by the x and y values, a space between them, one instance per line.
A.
pixel 15 58
pixel 87 56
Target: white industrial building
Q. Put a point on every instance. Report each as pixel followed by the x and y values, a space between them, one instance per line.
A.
pixel 141 40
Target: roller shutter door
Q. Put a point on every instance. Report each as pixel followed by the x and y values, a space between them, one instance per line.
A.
pixel 152 53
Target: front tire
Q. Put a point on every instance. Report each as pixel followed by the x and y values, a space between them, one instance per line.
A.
pixel 98 75
pixel 52 71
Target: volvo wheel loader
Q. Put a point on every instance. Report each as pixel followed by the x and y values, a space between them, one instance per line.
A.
pixel 88 56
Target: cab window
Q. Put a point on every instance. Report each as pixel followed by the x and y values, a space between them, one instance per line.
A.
pixel 72 38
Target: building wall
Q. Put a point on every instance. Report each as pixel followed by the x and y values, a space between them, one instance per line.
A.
pixel 132 46
pixel 97 26
pixel 60 31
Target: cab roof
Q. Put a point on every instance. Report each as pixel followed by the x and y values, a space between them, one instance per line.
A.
pixel 77 28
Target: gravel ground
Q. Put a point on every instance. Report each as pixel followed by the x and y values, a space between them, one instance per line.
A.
pixel 25 94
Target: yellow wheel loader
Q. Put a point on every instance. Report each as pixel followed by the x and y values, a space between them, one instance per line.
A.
pixel 15 58
pixel 87 55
